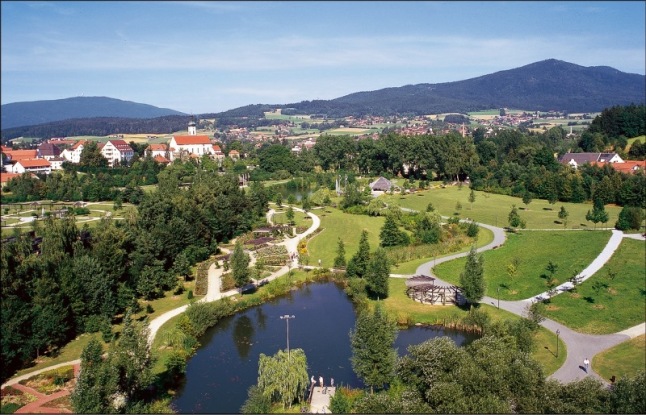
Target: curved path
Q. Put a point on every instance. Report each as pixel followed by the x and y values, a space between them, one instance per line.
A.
pixel 579 345
pixel 213 294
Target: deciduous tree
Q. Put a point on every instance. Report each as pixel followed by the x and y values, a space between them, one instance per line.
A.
pixel 472 278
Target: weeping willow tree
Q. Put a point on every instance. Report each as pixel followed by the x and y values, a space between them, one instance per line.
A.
pixel 283 377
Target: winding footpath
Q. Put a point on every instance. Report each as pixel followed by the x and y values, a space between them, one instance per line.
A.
pixel 579 345
pixel 213 294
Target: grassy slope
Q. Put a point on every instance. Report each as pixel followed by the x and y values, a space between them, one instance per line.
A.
pixel 535 250
pixel 337 224
pixel 493 209
pixel 614 308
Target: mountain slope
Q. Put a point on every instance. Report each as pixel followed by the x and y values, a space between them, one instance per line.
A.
pixel 19 114
pixel 546 85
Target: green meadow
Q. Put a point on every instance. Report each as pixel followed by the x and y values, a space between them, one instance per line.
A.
pixel 531 251
pixel 494 209
pixel 612 300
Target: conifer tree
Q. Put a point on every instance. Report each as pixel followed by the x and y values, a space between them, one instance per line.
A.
pixel 240 265
pixel 359 262
pixel 472 278
pixel 339 261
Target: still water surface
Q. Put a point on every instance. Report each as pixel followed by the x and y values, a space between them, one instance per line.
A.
pixel 226 365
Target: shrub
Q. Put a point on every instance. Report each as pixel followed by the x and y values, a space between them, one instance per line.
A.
pixel 190 294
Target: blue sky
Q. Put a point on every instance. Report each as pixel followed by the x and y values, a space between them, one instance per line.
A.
pixel 199 57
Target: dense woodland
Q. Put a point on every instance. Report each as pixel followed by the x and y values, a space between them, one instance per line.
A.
pixel 83 280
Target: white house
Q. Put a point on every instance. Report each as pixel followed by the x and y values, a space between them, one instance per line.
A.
pixel 74 153
pixel 32 166
pixel 577 159
pixel 117 151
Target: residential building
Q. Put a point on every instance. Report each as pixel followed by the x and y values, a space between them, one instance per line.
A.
pixel 577 159
pixel 73 154
pixel 32 166
pixel 48 151
pixel 117 151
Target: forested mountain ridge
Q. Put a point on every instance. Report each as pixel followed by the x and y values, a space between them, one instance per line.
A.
pixel 547 85
pixel 19 114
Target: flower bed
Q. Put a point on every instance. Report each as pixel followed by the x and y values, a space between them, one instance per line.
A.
pixel 14 399
pixel 272 255
pixel 51 381
pixel 202 279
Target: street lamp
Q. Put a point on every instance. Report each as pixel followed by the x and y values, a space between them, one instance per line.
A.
pixel 557 342
pixel 287 317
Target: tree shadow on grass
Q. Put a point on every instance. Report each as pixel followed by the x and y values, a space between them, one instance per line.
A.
pixel 589 299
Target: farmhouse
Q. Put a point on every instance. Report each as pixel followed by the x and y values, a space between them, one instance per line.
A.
pixel 48 151
pixel 628 167
pixel 577 159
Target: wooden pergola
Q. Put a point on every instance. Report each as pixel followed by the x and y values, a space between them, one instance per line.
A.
pixel 422 288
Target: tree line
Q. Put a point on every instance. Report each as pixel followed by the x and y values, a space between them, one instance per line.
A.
pixel 83 280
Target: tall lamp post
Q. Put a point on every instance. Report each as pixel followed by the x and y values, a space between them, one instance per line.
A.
pixel 287 317
pixel 557 342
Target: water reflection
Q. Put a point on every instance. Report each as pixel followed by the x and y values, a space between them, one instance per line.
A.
pixel 243 331
pixel 226 365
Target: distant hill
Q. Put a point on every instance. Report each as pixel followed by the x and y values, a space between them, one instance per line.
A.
pixel 543 86
pixel 20 114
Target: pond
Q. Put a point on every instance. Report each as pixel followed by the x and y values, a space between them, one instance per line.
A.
pixel 226 365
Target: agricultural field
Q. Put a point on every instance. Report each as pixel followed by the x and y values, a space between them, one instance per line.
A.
pixel 349 131
pixel 494 209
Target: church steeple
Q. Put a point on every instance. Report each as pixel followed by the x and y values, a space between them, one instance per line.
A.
pixel 192 129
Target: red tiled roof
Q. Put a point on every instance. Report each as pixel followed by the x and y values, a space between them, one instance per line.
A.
pixel 161 159
pixel 216 148
pixel 191 139
pixel 34 163
pixel 5 177
pixel 158 147
pixel 78 144
pixel 121 145
pixel 22 154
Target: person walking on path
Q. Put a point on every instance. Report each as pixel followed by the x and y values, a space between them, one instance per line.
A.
pixel 586 364
pixel 332 382
pixel 321 381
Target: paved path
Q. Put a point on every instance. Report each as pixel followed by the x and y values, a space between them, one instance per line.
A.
pixel 579 345
pixel 320 403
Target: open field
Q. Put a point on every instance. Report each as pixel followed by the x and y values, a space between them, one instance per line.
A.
pixel 493 209
pixel 349 131
pixel 641 139
pixel 533 251
pixel 605 304
pixel 335 224
pixel 624 360
pixel 300 219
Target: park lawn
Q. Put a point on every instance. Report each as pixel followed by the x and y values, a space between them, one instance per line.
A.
pixel 570 251
pixel 485 236
pixel 626 359
pixel 300 218
pixel 494 209
pixel 149 188
pixel 614 307
pixel 337 224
